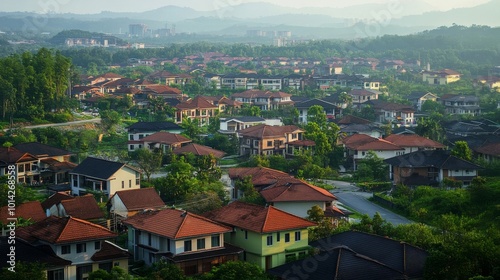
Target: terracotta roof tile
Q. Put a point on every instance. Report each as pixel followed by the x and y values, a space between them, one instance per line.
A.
pixel 83 207
pixel 257 218
pixel 29 210
pixel 199 102
pixel 260 175
pixel 13 155
pixel 413 141
pixel 56 230
pixel 363 142
pixel 492 149
pixel 163 89
pixel 55 199
pixel 165 138
pixel 268 131
pixel 110 251
pixel 138 199
pixel 199 150
pixel 175 224
pixel 292 189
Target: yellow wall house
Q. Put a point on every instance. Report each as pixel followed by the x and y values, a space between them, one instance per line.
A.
pixel 440 77
pixel 268 235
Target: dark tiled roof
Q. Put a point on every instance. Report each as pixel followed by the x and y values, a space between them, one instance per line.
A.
pixel 257 218
pixel 350 119
pixel 28 253
pixel 55 199
pixel 83 207
pixel 138 199
pixel 13 155
pixel 41 150
pixel 29 210
pixel 313 102
pixel 247 119
pixel 153 126
pixel 110 251
pixel 492 149
pixel 436 158
pixel 98 168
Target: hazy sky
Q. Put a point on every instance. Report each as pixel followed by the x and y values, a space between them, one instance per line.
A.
pixel 96 6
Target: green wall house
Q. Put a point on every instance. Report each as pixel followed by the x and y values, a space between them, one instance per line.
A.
pixel 268 235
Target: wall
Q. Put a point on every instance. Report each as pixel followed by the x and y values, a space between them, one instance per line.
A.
pixel 298 208
pixel 124 174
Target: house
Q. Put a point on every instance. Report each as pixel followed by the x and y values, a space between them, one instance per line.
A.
pixel 31 210
pixel 163 91
pixel 192 242
pixel 440 77
pixel 83 207
pixel 85 245
pixel 261 177
pixel 476 127
pixel 54 164
pixel 169 78
pixel 24 164
pixel 265 100
pixel 199 150
pixel 100 175
pixel 268 235
pixel 489 152
pixel 354 255
pixel 212 80
pixel 492 82
pixel 198 108
pixel 350 125
pixel 461 104
pixel 393 113
pixel 330 110
pixel 164 141
pixel 360 96
pixel 295 81
pixel 268 140
pixel 54 265
pixel 140 130
pixel 414 142
pixel 430 168
pixel 358 145
pixel 106 77
pixel 418 98
pixel 236 124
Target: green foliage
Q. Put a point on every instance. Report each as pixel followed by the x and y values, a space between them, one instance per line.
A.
pixel 324 226
pixel 23 193
pixel 148 161
pixel 202 202
pixel 24 271
pixel 430 128
pixel 110 120
pixel 222 142
pixel 461 150
pixel 166 271
pixel 372 168
pixel 236 270
pixel 430 106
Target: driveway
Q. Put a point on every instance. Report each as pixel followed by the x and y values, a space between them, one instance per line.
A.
pixel 351 196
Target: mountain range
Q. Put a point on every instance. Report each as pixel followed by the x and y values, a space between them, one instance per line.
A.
pixel 370 20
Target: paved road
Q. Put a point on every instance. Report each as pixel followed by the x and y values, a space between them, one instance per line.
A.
pixel 96 120
pixel 351 196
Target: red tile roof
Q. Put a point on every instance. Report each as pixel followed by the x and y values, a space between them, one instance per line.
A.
pixel 110 251
pixel 350 119
pixel 13 155
pixel 56 230
pixel 29 210
pixel 413 141
pixel 163 89
pixel 139 199
pixel 110 75
pixel 199 150
pixel 257 218
pixel 83 207
pixel 268 131
pixel 363 142
pixel 492 149
pixel 260 175
pixel 164 137
pixel 292 189
pixel 55 199
pixel 175 224
pixel 199 102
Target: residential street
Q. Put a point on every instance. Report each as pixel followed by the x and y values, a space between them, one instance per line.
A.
pixel 351 196
pixel 94 120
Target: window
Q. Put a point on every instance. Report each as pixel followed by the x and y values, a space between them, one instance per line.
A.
pixel 65 249
pixel 81 247
pixel 131 147
pixel 123 184
pixel 269 240
pixel 246 234
pixel 149 239
pixel 97 245
pixel 200 243
pixel 278 237
pixel 287 237
pixel 269 143
pixel 215 241
pixel 106 266
pixel 27 167
pixel 129 184
pixel 297 235
pixel 55 274
pixel 187 246
pixel 20 168
pixel 131 137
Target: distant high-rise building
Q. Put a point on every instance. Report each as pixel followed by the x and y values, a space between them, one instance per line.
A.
pixel 138 30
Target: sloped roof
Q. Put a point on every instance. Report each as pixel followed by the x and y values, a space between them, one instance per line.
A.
pixel 419 94
pixel 165 138
pixel 110 251
pixel 413 140
pixel 41 150
pixel 98 168
pixel 361 92
pixel 315 101
pixel 257 218
pixel 260 175
pixel 245 119
pixel 163 89
pixel 363 142
pixel 138 199
pixel 175 224
pixel 292 189
pixel 268 131
pixel 254 93
pixel 432 158
pixel 110 75
pixel 28 253
pixel 492 149
pixel 29 210
pixel 199 150
pixel 56 166
pixel 82 207
pixel 55 199
pixel 350 119
pixel 199 102
pixel 56 230
pixel 389 106
pixel 13 155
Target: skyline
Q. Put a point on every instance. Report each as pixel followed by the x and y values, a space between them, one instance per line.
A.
pixel 95 6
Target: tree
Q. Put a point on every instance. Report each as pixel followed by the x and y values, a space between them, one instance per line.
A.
pixel 430 128
pixel 236 270
pixel 431 106
pixel 324 226
pixel 110 120
pixel 116 273
pixel 317 114
pixel 461 150
pixel 149 161
pixel 191 127
pixel 202 202
pixel 166 271
pixel 372 168
pixel 24 271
